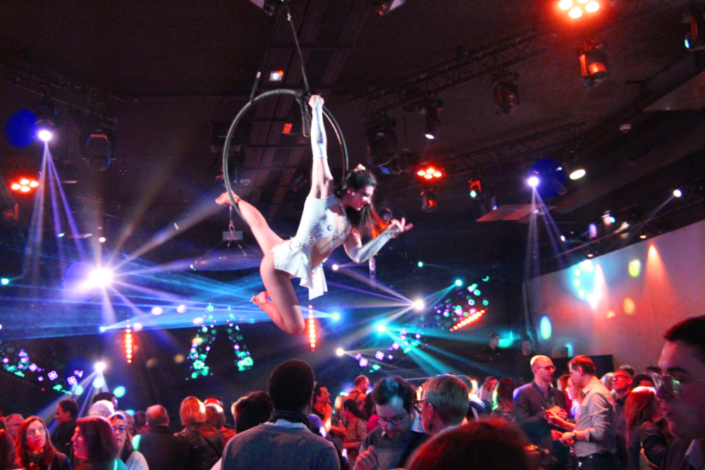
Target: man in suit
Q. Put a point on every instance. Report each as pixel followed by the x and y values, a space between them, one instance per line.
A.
pixel 682 393
pixel 535 402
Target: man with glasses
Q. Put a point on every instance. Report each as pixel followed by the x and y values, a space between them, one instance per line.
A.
pixel 537 401
pixel 621 388
pixel 445 403
pixel 393 442
pixel 682 393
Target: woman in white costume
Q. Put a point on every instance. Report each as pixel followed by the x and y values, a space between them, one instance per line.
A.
pixel 331 217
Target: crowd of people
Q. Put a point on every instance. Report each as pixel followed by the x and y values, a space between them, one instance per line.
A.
pixel 622 421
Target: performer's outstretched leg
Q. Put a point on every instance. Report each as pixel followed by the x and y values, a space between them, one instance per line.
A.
pixel 265 236
pixel 284 309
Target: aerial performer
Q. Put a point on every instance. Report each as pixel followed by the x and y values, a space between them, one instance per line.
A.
pixel 332 216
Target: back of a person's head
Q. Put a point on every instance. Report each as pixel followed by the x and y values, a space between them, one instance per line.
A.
pixel 192 411
pixel 691 332
pixel 360 379
pixel 505 389
pixel 492 444
pixel 389 387
pixel 351 405
pixel 583 362
pixel 157 416
pixel 107 396
pixel 102 408
pixel 140 419
pixel 253 410
pixel 70 406
pixel 215 416
pixel 639 406
pixel 101 445
pixel 290 385
pixel 449 396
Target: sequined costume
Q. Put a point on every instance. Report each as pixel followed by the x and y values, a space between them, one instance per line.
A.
pixel 294 256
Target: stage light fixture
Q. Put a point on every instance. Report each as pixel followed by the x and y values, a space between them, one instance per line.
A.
pixel 533 181
pixel 420 264
pixel 381 141
pixel 99 367
pixel 24 185
pixel 98 141
pixel 340 352
pixel 694 41
pixel 458 282
pixel 335 267
pixel 268 6
pixel 4 281
pixel 335 316
pixel 381 328
pixel 419 305
pixel 428 200
pixel 506 91
pixel 593 62
pixel 677 193
pixel 387 6
pixel 433 123
pixel 476 189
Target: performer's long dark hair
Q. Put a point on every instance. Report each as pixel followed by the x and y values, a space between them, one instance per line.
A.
pixel 365 221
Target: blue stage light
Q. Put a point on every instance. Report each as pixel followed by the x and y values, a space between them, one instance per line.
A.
pixel 119 392
pixel 335 316
pixel 4 281
pixel 381 328
pixel 458 282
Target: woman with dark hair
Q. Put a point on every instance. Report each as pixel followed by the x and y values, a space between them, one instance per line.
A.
pixel 133 460
pixel 355 430
pixel 33 449
pixel 204 439
pixel 331 217
pixel 647 429
pixel 491 444
pixel 94 442
pixel 505 399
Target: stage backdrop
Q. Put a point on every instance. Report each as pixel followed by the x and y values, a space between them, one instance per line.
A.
pixel 621 303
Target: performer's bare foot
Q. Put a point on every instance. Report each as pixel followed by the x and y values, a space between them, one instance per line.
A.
pixel 224 199
pixel 261 299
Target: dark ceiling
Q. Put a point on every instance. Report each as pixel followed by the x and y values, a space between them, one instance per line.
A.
pixel 175 74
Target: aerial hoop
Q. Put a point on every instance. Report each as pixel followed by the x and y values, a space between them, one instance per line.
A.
pixel 301 99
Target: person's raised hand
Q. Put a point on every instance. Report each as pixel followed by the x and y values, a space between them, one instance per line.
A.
pixel 367 459
pixel 397 227
pixel 315 100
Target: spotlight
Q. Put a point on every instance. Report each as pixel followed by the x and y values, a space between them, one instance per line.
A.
pixel 335 316
pixel 429 173
pixel 592 251
pixel 99 367
pixel 420 264
pixel 643 233
pixel 428 200
pixel 677 193
pixel 381 328
pixel 533 181
pixel 101 239
pixel 381 141
pixel 419 305
pixel 433 122
pixel 389 5
pixel 100 278
pixel 335 267
pixel 340 352
pixel 593 62
pixel 565 4
pixel 45 135
pixel 156 311
pixel 181 309
pixel 458 282
pixel 276 75
pixel 506 92
pixel 577 173
pixel 4 281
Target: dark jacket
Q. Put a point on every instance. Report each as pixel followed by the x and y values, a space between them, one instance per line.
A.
pixel 60 462
pixel 7 451
pixel 61 437
pixel 529 406
pixel 206 446
pixel 675 458
pixel 164 451
pixel 653 439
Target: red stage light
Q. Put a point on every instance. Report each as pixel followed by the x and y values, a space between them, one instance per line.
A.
pixel 24 185
pixel 430 173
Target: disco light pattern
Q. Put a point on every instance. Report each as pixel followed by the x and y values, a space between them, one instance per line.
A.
pixel 461 306
pixel 17 362
pixel 202 342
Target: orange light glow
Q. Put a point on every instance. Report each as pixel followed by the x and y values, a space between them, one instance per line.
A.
pixel 565 4
pixel 469 320
pixel 576 12
pixel 311 328
pixel 15 186
pixel 592 7
pixel 24 185
pixel 24 189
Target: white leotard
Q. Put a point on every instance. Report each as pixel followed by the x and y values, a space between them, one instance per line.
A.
pixel 294 256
